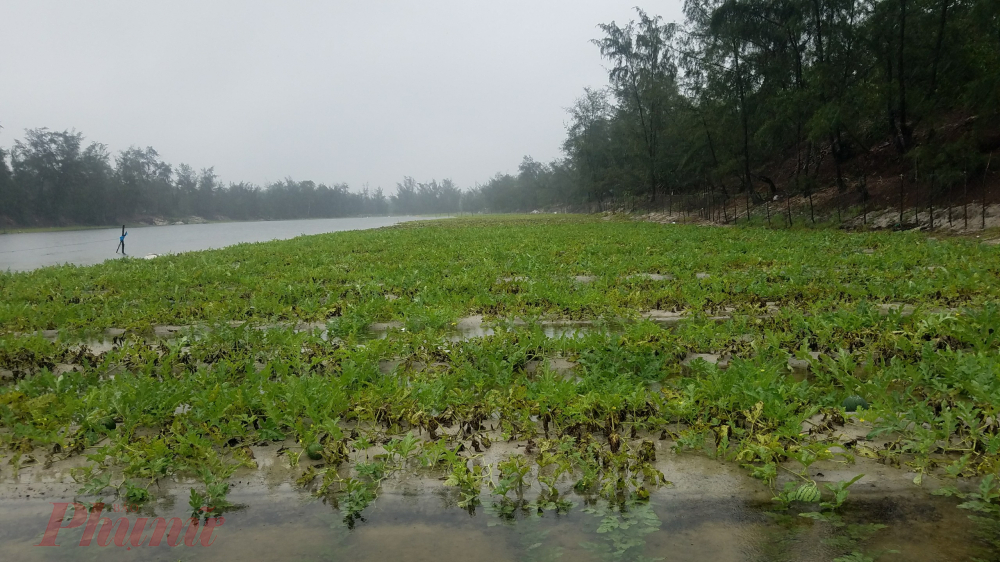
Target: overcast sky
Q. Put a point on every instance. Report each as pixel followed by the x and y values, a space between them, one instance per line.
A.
pixel 352 92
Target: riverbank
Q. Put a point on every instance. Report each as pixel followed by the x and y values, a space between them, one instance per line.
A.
pixel 134 222
pixel 159 221
pixel 33 230
pixel 23 252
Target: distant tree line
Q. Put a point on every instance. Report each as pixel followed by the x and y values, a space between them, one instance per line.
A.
pixel 754 97
pixel 750 100
pixel 55 178
pixel 757 96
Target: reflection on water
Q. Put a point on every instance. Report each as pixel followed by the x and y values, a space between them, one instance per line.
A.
pixel 423 522
pixel 24 252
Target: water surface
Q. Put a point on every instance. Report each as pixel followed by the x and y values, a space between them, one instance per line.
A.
pixel 27 251
pixel 422 522
pixel 710 510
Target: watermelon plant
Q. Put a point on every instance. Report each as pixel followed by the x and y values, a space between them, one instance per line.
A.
pixel 792 336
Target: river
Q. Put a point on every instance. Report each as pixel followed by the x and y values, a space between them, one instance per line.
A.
pixel 27 251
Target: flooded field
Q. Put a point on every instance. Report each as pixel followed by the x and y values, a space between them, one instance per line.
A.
pixel 709 511
pixel 435 391
pixel 742 305
pixel 24 252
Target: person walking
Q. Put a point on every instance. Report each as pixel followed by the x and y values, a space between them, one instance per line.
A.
pixel 121 241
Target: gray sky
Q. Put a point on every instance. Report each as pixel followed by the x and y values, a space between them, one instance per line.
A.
pixel 350 92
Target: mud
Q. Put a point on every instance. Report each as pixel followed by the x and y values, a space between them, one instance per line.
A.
pixel 651 277
pixel 889 218
pixel 879 219
pixel 720 361
pixel 476 326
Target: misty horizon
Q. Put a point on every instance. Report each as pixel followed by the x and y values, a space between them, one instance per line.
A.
pixel 355 95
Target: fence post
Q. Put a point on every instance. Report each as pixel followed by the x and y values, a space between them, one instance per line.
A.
pixel 900 200
pixel 965 198
pixel 864 206
pixel 951 193
pixel 930 199
pixel 985 173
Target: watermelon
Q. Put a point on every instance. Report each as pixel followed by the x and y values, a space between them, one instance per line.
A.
pixel 108 423
pixel 314 451
pixel 854 403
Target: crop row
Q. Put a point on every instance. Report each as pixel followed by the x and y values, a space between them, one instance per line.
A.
pixel 431 274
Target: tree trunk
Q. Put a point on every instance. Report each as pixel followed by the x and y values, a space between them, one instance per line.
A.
pixel 905 134
pixel 890 108
pixel 942 22
pixel 744 119
pixel 772 189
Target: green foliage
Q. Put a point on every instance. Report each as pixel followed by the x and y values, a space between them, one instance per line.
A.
pixel 212 502
pixel 764 80
pixel 136 495
pixel 985 500
pixel 591 411
pixel 839 490
pixel 356 496
pixel 512 475
pixel 623 531
pixel 54 178
pixel 469 482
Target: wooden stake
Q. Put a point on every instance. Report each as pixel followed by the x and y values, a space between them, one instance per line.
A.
pixel 988 162
pixel 900 200
pixel 965 198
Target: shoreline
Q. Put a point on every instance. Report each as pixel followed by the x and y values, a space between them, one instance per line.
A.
pixel 188 222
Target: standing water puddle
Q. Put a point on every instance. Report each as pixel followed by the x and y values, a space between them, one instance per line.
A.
pixel 712 511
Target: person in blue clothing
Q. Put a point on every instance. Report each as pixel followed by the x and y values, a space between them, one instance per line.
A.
pixel 121 241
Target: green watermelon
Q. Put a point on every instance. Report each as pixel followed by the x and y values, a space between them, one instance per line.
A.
pixel 314 451
pixel 855 403
pixel 108 423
